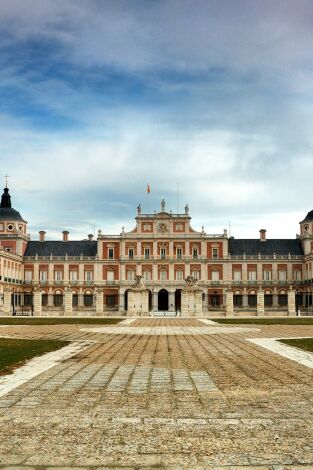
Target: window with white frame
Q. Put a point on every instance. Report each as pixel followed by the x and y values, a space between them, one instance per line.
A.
pixel 130 275
pixel 88 275
pixel 163 275
pixel 147 253
pixel 146 275
pixel 297 275
pixel 43 275
pixel 163 252
pixel 195 274
pixel 110 275
pixel 131 253
pixel 28 276
pixel 214 252
pixel 251 275
pixel 195 252
pixel 178 253
pixel 179 275
pixel 237 275
pixel 267 275
pixel 215 275
pixel 282 275
pixel 58 275
pixel 111 253
pixel 73 275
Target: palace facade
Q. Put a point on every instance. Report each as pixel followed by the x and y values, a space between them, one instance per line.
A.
pixel 225 275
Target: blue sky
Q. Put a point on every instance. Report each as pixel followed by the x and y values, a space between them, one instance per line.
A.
pixel 99 98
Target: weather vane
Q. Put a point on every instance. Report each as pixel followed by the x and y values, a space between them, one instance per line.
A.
pixel 6 180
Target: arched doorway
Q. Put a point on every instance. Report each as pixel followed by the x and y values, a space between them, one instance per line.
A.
pixel 150 300
pixel 162 300
pixel 178 300
pixel 126 300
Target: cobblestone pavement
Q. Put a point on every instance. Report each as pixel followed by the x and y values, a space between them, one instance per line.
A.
pixel 181 399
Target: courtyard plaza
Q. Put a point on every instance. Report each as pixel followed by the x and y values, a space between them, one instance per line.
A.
pixel 158 393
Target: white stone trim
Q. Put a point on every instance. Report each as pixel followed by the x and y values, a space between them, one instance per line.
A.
pixel 300 356
pixel 38 365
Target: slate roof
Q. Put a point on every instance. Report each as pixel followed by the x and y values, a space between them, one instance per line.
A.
pixel 61 248
pixel 269 247
pixel 7 213
pixel 308 218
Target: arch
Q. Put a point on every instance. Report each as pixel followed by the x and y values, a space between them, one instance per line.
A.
pixel 163 300
pixel 178 300
pixel 126 299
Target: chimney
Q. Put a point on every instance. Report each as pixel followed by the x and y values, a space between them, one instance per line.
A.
pixel 42 235
pixel 90 237
pixel 65 235
pixel 263 235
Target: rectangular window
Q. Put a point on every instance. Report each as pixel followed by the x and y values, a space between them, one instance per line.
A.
pixel 28 276
pixel 195 274
pixel 58 300
pixel 110 275
pixel 43 276
pixel 237 276
pixel 252 275
pixel 163 275
pixel 195 253
pixel 147 275
pixel 147 253
pixel 163 252
pixel 214 252
pixel 178 253
pixel 215 275
pixel 44 300
pixel 179 275
pixel 297 275
pixel 58 275
pixel 282 275
pixel 131 253
pixel 111 301
pixel 73 275
pixel 267 275
pixel 111 253
pixel 130 275
pixel 88 276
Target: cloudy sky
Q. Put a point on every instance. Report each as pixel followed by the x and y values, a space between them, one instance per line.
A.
pixel 214 97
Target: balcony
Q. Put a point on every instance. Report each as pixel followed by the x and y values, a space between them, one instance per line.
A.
pixel 58 282
pixel 73 282
pixel 89 282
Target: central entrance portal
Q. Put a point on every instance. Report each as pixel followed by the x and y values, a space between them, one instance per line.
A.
pixel 162 300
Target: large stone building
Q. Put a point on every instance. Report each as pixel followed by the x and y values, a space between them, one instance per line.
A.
pixel 162 265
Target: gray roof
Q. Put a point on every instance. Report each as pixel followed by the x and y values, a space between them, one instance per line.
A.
pixel 308 217
pixel 269 247
pixel 61 248
pixel 7 213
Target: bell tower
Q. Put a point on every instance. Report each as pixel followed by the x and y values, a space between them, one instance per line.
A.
pixel 13 228
pixel 306 233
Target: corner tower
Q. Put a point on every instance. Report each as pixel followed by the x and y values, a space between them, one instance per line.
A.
pixel 306 233
pixel 13 228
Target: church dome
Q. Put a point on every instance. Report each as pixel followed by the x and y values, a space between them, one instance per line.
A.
pixel 309 217
pixel 6 210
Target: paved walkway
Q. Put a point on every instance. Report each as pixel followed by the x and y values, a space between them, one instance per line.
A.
pixel 178 397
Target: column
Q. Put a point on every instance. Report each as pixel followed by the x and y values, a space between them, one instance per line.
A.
pixel 121 301
pixel 36 272
pixel 50 298
pixel 80 299
pixel 155 301
pixel 171 301
pixel 68 301
pixel 7 301
pixel 37 302
pixel 291 302
pixel 99 302
pixel 229 302
pixel 171 250
pixel 245 298
pixel 260 301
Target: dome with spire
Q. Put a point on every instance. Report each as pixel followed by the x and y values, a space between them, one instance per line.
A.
pixel 308 218
pixel 6 210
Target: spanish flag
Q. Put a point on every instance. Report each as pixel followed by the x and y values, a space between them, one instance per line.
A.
pixel 148 189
